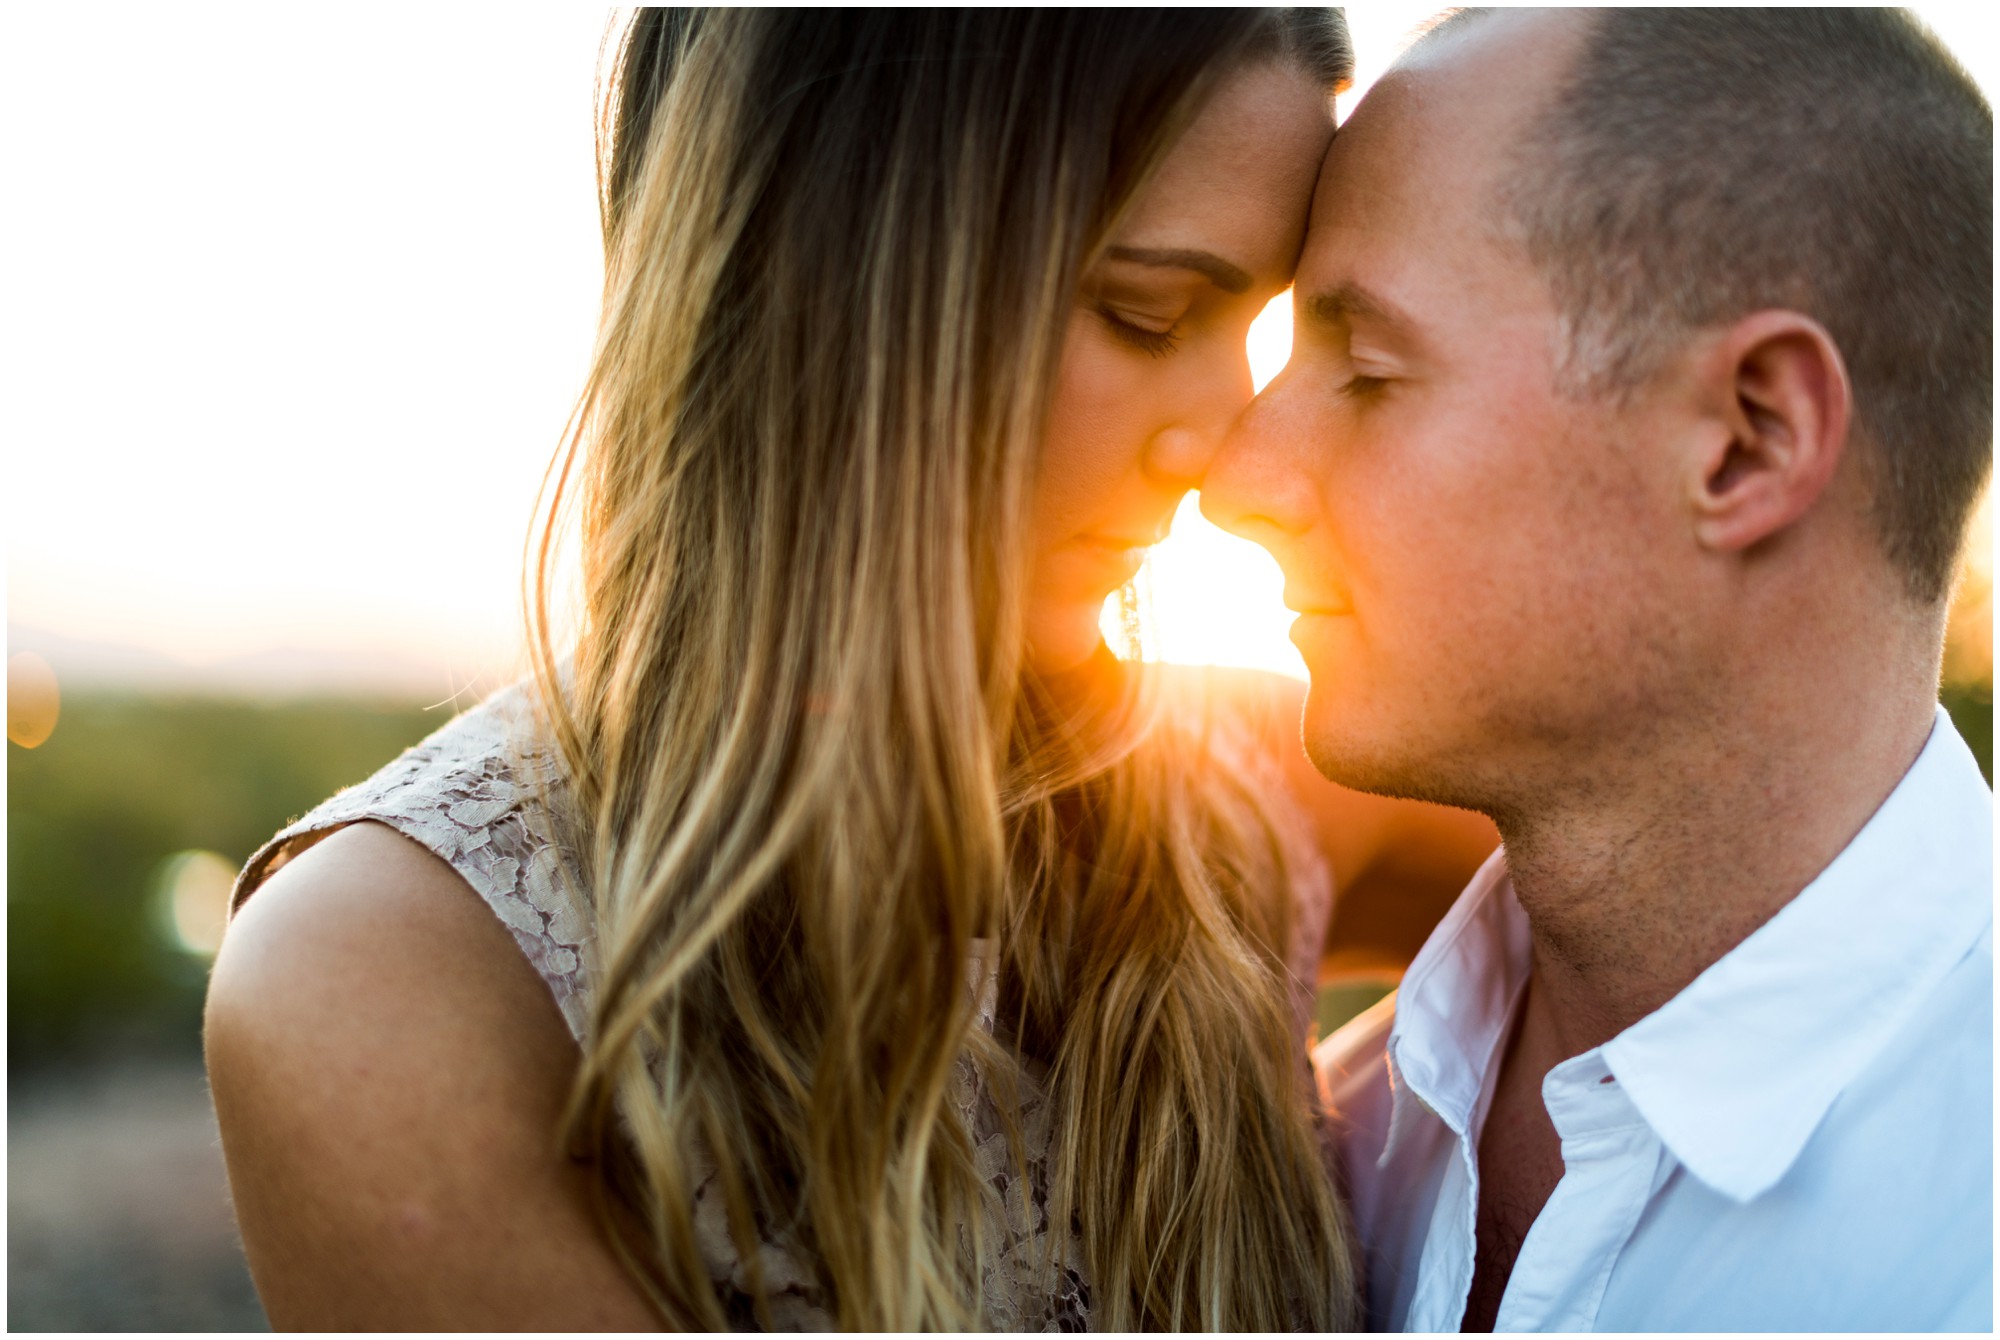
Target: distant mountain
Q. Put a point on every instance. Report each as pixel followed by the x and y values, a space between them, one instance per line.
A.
pixel 275 672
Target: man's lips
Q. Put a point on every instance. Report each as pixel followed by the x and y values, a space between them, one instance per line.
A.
pixel 1321 624
pixel 1316 603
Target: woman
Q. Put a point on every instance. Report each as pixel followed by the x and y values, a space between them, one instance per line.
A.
pixel 929 967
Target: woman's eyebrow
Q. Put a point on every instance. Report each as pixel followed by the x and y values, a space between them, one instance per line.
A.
pixel 1216 270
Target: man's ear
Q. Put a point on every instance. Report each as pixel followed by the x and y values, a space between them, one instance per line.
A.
pixel 1776 404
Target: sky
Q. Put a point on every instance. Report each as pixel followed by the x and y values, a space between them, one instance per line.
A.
pixel 298 303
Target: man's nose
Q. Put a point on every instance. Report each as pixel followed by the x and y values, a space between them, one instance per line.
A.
pixel 1254 487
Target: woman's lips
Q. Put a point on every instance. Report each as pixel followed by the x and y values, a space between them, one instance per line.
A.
pixel 1109 560
pixel 1113 544
pixel 1122 556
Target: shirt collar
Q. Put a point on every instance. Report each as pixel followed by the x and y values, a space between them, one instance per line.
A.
pixel 1455 1002
pixel 1736 1072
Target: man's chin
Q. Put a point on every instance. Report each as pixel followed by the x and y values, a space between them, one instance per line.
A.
pixel 1363 747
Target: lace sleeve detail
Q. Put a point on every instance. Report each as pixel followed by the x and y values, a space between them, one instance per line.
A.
pixel 478 795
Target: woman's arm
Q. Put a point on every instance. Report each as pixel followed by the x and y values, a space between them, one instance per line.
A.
pixel 1397 864
pixel 389 1072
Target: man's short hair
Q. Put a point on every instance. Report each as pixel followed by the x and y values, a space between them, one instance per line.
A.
pixel 1700 164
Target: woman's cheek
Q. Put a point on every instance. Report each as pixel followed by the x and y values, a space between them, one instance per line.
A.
pixel 1094 437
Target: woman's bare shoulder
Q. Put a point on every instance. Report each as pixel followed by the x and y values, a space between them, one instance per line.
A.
pixel 389 1073
pixel 366 906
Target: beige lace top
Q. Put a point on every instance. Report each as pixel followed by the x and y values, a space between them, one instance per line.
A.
pixel 478 793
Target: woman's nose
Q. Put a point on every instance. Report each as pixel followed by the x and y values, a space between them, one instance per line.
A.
pixel 1179 456
pixel 1180 453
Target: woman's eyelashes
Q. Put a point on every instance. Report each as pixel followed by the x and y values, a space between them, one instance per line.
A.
pixel 1158 343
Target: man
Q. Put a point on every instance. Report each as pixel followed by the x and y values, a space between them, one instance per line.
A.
pixel 1640 393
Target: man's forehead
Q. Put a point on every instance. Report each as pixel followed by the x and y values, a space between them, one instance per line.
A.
pixel 1442 120
pixel 1413 171
pixel 1524 44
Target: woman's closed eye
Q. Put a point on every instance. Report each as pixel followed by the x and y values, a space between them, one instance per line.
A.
pixel 1147 336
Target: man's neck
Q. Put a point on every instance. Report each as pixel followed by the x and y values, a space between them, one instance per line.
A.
pixel 1634 890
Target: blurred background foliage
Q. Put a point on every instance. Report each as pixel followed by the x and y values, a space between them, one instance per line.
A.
pixel 98 814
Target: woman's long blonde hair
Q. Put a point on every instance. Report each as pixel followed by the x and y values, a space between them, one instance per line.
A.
pixel 809 768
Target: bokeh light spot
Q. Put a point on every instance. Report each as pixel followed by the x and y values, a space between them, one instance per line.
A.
pixel 33 700
pixel 191 899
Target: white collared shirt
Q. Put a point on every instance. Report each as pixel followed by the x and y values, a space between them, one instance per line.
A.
pixel 1800 1140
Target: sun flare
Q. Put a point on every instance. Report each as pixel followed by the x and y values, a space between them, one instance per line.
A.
pixel 1205 596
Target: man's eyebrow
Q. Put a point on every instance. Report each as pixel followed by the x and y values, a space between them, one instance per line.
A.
pixel 1216 270
pixel 1340 304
